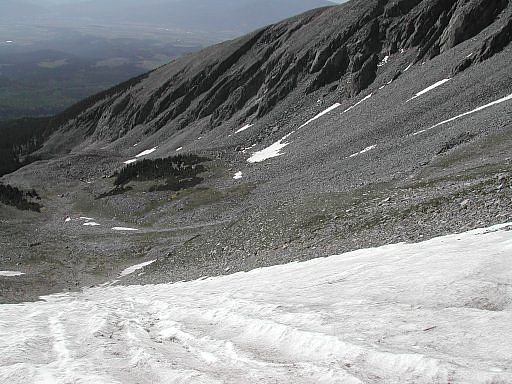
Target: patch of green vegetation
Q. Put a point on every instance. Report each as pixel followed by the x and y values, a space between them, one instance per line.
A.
pixel 201 196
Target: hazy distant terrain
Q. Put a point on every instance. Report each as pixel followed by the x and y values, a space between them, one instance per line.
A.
pixel 54 53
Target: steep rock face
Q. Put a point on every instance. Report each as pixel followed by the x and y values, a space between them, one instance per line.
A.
pixel 339 47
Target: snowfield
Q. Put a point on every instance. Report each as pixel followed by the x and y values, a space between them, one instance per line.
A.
pixel 435 312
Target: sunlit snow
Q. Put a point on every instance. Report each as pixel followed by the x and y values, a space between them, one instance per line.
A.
pixel 384 61
pixel 428 89
pixel 91 224
pixel 238 175
pixel 179 149
pixel 9 274
pixel 130 161
pixel 146 152
pixel 331 108
pixel 435 312
pixel 272 151
pixel 134 268
pixel 358 103
pixel 247 126
pixel 124 229
pixel 502 100
pixel 367 149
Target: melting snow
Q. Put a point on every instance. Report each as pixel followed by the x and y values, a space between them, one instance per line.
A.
pixel 434 312
pixel 130 161
pixel 502 100
pixel 428 89
pixel 246 149
pixel 332 107
pixel 146 152
pixel 367 149
pixel 384 61
pixel 124 229
pixel 134 268
pixel 238 175
pixel 272 151
pixel 91 224
pixel 356 104
pixel 9 274
pixel 247 126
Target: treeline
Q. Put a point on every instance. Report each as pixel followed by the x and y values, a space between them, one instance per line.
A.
pixel 20 199
pixel 179 171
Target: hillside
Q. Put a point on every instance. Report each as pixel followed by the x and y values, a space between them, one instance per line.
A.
pixel 344 127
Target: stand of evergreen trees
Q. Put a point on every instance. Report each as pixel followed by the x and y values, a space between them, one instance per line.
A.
pixel 179 171
pixel 20 199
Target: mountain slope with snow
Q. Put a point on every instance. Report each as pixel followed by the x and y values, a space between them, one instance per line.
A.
pixel 433 312
pixel 358 125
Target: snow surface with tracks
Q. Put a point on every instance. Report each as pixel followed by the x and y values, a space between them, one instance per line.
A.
pixel 434 312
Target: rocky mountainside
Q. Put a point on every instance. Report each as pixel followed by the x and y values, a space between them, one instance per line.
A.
pixel 371 122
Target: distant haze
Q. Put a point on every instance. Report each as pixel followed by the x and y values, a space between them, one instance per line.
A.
pixel 233 17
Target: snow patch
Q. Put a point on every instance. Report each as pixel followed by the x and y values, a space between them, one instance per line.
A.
pixel 124 229
pixel 91 224
pixel 408 67
pixel 146 152
pixel 130 161
pixel 179 149
pixel 134 268
pixel 11 273
pixel 331 108
pixel 502 100
pixel 384 61
pixel 367 149
pixel 358 103
pixel 428 89
pixel 245 127
pixel 238 175
pixel 273 150
pixel 432 312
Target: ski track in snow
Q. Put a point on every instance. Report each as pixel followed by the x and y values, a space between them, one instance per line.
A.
pixel 404 313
